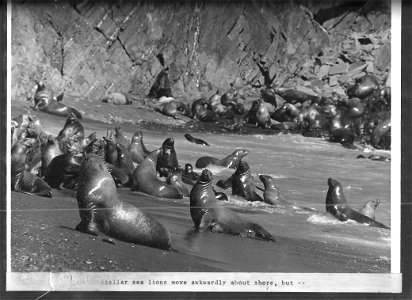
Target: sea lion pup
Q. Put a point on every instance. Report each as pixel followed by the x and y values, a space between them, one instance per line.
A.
pixel 101 210
pixel 379 132
pixel 63 170
pixel 51 150
pixel 192 139
pixel 116 98
pixel 207 214
pixel 271 193
pixel 161 85
pixel 137 149
pixel 369 208
pixel 72 132
pixel 49 105
pixel 243 184
pixel 22 180
pixel 231 161
pixel 167 158
pixel 145 180
pixel 337 205
pixel 363 87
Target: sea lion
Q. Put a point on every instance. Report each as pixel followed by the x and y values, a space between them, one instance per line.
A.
pixel 231 161
pixel 379 132
pixel 101 209
pixel 363 87
pixel 293 96
pixel 243 184
pixel 258 114
pixel 207 214
pixel 51 151
pixel 63 169
pixel 167 159
pixel 161 85
pixel 175 179
pixel 124 162
pixel 111 152
pixel 116 98
pixel 269 96
pixel 369 208
pixel 120 137
pixel 195 140
pixel 189 176
pixel 203 110
pixel 271 193
pixel 171 109
pixel 137 149
pixel 337 205
pixel 145 179
pixel 71 133
pixel 43 102
pixel 355 107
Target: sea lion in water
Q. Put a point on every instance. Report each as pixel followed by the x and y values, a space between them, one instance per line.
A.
pixel 189 176
pixel 231 161
pixel 145 180
pixel 167 159
pixel 101 209
pixel 337 205
pixel 243 184
pixel 196 140
pixel 369 208
pixel 49 105
pixel 137 149
pixel 207 214
pixel 271 193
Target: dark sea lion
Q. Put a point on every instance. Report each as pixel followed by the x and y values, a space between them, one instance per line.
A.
pixel 379 132
pixel 167 159
pixel 203 110
pixel 269 96
pixel 364 87
pixel 344 136
pixel 282 114
pixel 189 176
pixel 337 205
pixel 101 210
pixel 243 184
pixel 71 133
pixel 237 108
pixel 137 149
pixel 227 97
pixel 369 208
pixel 111 153
pixel 231 161
pixel 207 214
pixel 271 193
pixel 378 157
pixel 63 170
pixel 145 180
pixel 121 137
pixel 51 151
pixel 175 179
pixel 161 85
pixel 259 114
pixel 293 96
pixel 195 140
pixel 355 106
pixel 43 102
pixel 124 161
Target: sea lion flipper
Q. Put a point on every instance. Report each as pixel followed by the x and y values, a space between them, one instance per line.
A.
pixel 86 227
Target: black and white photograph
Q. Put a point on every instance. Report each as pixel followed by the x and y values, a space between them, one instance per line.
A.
pixel 204 146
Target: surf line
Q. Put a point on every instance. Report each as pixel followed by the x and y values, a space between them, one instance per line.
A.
pixel 209 282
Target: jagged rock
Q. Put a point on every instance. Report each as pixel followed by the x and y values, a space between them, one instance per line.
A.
pixel 323 72
pixel 383 57
pixel 356 68
pixel 338 69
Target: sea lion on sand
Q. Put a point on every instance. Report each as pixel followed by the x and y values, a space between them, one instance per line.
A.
pixel 207 214
pixel 137 149
pixel 116 98
pixel 167 159
pixel 145 180
pixel 49 105
pixel 337 205
pixel 230 161
pixel 196 140
pixel 243 184
pixel 101 209
pixel 369 208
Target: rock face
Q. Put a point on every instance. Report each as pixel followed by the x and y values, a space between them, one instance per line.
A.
pixel 93 49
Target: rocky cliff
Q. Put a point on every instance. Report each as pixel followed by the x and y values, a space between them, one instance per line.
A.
pixel 90 49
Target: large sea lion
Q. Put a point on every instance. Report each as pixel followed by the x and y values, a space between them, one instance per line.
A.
pixel 101 210
pixel 167 159
pixel 369 208
pixel 145 180
pixel 337 205
pixel 196 140
pixel 43 102
pixel 207 214
pixel 243 184
pixel 231 161
pixel 364 87
pixel 137 149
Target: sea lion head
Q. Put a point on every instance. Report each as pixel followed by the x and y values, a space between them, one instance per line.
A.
pixel 267 180
pixel 137 136
pixel 374 203
pixel 188 168
pixel 242 168
pixel 169 143
pixel 205 177
pixel 241 153
pixel 335 193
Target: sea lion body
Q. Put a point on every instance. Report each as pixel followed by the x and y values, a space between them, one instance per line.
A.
pixel 337 205
pixel 379 132
pixel 188 176
pixel 167 158
pixel 145 180
pixel 175 179
pixel 369 208
pixel 101 210
pixel 51 151
pixel 125 162
pixel 116 98
pixel 293 96
pixel 171 109
pixel 243 184
pixel 121 137
pixel 271 193
pixel 137 149
pixel 207 214
pixel 63 170
pixel 230 161
pixel 56 108
pixel 192 139
pixel 364 87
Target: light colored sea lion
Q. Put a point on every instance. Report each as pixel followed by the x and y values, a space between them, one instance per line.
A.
pixel 271 192
pixel 101 210
pixel 243 184
pixel 207 214
pixel 116 98
pixel 231 161
pixel 167 159
pixel 369 208
pixel 337 205
pixel 145 180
